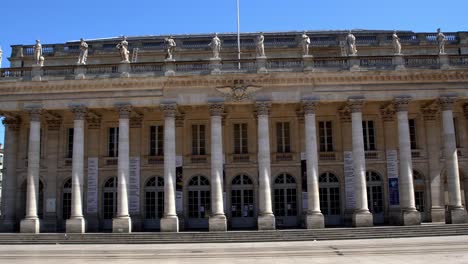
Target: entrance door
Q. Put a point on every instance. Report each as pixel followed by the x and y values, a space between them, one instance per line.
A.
pixel 375 196
pixel 154 203
pixel 242 203
pixel 329 192
pixel 199 202
pixel 109 202
pixel 419 194
pixel 285 201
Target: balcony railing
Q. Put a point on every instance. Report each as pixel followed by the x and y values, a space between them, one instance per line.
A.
pixel 283 156
pixel 240 157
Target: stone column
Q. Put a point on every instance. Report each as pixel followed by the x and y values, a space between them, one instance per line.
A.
pixel 30 224
pixel 170 221
pixel 9 176
pixel 314 218
pixel 409 214
pixel 217 221
pixel 266 219
pixel 77 223
pixel 361 216
pixel 122 223
pixel 457 213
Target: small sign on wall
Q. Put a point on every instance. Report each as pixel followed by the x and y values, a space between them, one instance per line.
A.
pixel 50 205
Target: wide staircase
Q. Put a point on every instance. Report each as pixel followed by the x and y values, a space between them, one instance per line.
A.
pixel 425 230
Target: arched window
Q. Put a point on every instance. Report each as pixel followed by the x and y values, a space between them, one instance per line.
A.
pixel 154 198
pixel 419 190
pixel 374 192
pixel 66 199
pixel 199 197
pixel 242 196
pixel 285 190
pixel 329 191
pixel 110 198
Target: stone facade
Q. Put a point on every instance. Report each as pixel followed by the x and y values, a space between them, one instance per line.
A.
pixel 314 141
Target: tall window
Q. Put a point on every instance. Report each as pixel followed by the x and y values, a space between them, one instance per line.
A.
pixel 283 140
pixel 326 136
pixel 66 199
pixel 412 133
pixel 369 134
pixel 70 132
pixel 198 140
pixel 455 126
pixel 240 138
pixel 113 142
pixel 156 140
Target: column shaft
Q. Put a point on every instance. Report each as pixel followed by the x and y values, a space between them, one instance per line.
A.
pixel 216 166
pixel 123 168
pixel 77 169
pixel 9 178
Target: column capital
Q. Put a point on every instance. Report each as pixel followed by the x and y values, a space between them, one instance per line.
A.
pixel 79 111
pixel 12 123
pixel 401 103
pixel 169 109
pixel 355 104
pixel 446 102
pixel 309 106
pixel 387 111
pixel 216 109
pixel 124 110
pixel 35 113
pixel 262 107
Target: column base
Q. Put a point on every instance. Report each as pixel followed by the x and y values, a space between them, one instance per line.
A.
pixel 315 220
pixel 217 223
pixel 266 222
pixel 122 225
pixel 437 215
pixel 76 225
pixel 170 224
pixel 410 217
pixel 30 225
pixel 362 218
pixel 456 215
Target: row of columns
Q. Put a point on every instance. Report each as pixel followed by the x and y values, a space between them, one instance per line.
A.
pixel 217 221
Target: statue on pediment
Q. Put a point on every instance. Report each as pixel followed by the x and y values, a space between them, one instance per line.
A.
pixel 260 47
pixel 305 42
pixel 83 57
pixel 170 47
pixel 351 42
pixel 123 50
pixel 39 59
pixel 441 41
pixel 215 46
pixel 396 43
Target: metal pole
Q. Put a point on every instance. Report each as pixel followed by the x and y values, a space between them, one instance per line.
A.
pixel 238 36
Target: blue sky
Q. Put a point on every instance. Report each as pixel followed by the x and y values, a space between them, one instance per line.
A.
pixel 56 21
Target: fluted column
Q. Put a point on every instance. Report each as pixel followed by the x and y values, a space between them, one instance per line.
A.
pixel 77 223
pixel 170 221
pixel 122 223
pixel 30 224
pixel 266 219
pixel 457 213
pixel 361 215
pixel 314 217
pixel 409 214
pixel 9 177
pixel 217 221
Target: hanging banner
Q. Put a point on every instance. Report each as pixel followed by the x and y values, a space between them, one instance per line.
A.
pixel 304 182
pixel 134 186
pixel 179 185
pixel 349 179
pixel 92 195
pixel 392 174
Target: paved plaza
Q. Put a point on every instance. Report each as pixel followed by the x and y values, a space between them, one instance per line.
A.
pixel 382 251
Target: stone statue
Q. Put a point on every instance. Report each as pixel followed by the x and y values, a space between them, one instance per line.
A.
pixel 305 42
pixel 260 50
pixel 441 41
pixel 396 43
pixel 215 46
pixel 170 47
pixel 83 53
pixel 1 56
pixel 38 53
pixel 351 42
pixel 123 49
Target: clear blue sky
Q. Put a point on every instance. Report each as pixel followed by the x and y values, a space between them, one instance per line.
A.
pixel 56 21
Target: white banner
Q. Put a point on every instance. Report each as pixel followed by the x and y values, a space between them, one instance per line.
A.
pixel 134 185
pixel 305 201
pixel 349 179
pixel 392 164
pixel 179 202
pixel 92 196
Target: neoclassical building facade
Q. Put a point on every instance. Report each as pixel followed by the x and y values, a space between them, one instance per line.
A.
pixel 336 137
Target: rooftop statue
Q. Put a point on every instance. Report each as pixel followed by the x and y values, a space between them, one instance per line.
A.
pixel 38 53
pixel 215 46
pixel 170 47
pixel 351 42
pixel 83 57
pixel 305 42
pixel 396 43
pixel 123 49
pixel 441 41
pixel 260 50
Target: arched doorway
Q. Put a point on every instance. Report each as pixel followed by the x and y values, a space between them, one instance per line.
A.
pixel 285 200
pixel 199 202
pixel 109 202
pixel 375 196
pixel 329 192
pixel 66 200
pixel 420 193
pixel 154 202
pixel 242 202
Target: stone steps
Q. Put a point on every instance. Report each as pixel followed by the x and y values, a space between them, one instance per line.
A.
pixel 238 236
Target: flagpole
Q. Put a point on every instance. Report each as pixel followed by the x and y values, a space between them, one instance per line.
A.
pixel 238 36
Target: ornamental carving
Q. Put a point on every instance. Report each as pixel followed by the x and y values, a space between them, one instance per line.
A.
pixel 430 111
pixel 309 106
pixel 262 107
pixel 345 113
pixel 169 110
pixel 446 102
pixel 53 124
pixel 238 91
pixel 216 109
pixel 387 111
pixel 93 119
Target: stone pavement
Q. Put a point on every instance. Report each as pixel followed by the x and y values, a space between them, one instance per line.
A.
pixel 382 251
